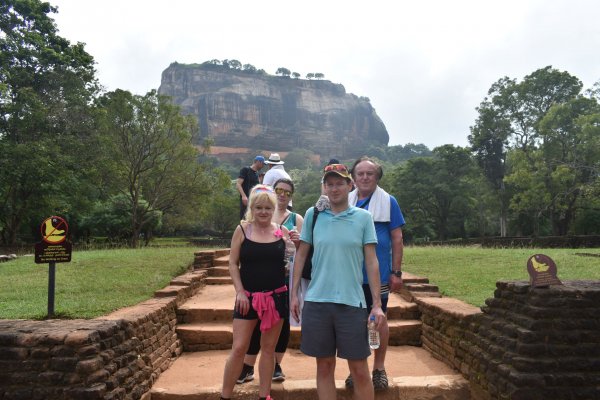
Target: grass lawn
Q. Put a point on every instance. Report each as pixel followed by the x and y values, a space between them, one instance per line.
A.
pixel 94 283
pixel 470 273
pixel 97 282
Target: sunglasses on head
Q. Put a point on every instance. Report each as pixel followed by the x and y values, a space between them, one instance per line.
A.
pixel 336 167
pixel 263 188
pixel 280 191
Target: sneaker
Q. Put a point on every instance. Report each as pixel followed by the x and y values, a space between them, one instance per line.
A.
pixel 278 375
pixel 247 374
pixel 380 380
pixel 349 382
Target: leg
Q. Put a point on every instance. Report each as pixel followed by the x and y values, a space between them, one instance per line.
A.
pixel 266 364
pixel 242 331
pixel 384 335
pixel 326 378
pixel 247 373
pixel 280 348
pixel 363 387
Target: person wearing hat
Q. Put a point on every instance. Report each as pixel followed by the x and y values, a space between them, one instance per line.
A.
pixel 247 179
pixel 334 315
pixel 276 170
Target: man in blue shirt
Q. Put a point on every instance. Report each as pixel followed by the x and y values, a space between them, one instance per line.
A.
pixel 389 221
pixel 334 315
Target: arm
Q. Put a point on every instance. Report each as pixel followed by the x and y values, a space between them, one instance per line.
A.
pixel 238 186
pixel 372 267
pixel 242 304
pixel 397 255
pixel 299 261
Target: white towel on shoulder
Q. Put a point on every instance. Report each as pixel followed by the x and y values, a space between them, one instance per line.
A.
pixel 379 206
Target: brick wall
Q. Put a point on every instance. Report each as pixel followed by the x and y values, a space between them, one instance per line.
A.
pixel 118 356
pixel 526 343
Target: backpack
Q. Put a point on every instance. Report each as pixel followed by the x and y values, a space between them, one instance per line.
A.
pixel 307 270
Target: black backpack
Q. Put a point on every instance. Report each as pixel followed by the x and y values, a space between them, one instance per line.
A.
pixel 307 270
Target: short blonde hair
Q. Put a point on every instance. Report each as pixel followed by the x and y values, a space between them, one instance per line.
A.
pixel 259 194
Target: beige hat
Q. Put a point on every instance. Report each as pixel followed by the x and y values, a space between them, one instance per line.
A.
pixel 274 159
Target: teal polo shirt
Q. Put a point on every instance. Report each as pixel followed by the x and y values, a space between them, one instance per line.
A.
pixel 339 255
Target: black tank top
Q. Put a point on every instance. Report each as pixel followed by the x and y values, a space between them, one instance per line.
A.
pixel 262 267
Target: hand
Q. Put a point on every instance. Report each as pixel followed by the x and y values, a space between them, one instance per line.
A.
pixel 379 316
pixel 245 201
pixel 395 283
pixel 295 307
pixel 242 303
pixel 295 237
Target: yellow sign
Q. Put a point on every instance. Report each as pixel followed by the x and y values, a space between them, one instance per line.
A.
pixel 54 230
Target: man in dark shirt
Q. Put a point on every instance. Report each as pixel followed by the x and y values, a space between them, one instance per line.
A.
pixel 246 180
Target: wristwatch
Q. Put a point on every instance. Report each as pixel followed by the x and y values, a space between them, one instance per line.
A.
pixel 397 274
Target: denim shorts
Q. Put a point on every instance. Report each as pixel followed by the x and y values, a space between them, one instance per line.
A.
pixel 330 329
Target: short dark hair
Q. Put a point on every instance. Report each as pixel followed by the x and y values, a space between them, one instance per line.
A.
pixel 366 158
pixel 286 181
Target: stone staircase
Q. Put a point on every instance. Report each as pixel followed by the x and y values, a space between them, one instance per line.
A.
pixel 204 328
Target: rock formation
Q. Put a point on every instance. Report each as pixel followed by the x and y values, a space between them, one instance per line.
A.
pixel 253 110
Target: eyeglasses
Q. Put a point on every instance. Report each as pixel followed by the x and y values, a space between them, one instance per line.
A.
pixel 281 191
pixel 336 167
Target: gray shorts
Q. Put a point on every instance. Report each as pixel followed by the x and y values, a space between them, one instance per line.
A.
pixel 331 327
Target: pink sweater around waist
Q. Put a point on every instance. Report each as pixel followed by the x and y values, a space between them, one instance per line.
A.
pixel 264 304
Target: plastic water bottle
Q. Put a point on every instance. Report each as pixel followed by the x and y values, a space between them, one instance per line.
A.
pixel 373 334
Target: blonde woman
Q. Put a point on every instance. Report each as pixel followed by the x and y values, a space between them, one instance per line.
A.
pixel 257 268
pixel 284 190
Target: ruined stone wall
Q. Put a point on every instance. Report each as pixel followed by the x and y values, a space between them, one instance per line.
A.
pixel 526 343
pixel 118 356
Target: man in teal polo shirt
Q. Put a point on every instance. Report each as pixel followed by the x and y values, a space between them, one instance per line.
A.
pixel 334 315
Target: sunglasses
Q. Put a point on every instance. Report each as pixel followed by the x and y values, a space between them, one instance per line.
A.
pixel 280 191
pixel 263 188
pixel 336 167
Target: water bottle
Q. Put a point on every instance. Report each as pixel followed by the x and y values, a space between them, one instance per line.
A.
pixel 373 334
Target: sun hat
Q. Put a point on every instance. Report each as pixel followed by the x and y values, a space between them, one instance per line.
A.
pixel 274 159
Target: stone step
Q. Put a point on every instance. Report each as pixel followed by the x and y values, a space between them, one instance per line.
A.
pixel 407 277
pixel 203 336
pixel 412 372
pixel 215 303
pixel 218 280
pixel 218 271
pixel 221 261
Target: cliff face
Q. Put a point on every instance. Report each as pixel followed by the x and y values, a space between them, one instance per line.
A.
pixel 250 110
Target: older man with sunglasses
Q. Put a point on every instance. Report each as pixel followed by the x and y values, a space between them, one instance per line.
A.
pixel 334 316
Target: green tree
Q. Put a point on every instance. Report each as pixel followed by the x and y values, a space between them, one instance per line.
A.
pixel 310 75
pixel 509 118
pixel 295 75
pixel 150 151
pixel 435 191
pixel 45 122
pixel 282 71
pixel 319 75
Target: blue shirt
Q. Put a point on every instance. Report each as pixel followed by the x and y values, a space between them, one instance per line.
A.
pixel 384 239
pixel 338 259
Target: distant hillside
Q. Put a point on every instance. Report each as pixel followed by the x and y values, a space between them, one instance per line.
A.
pixel 248 110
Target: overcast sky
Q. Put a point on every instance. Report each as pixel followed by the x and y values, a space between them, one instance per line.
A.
pixel 425 65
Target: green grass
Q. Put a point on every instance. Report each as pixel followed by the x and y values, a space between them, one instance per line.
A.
pixel 94 283
pixel 470 273
pixel 97 282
